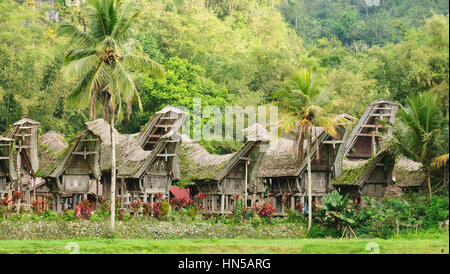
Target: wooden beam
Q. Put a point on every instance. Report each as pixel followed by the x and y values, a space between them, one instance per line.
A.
pixel 380 114
pixel 166 155
pixel 164 126
pixel 373 126
pixel 89 140
pixel 169 118
pixel 84 153
pixel 367 134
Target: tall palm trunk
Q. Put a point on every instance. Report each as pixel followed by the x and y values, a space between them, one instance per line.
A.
pixel 309 182
pixel 113 173
pixel 429 182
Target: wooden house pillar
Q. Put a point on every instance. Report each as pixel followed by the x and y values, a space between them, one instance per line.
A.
pixel 213 203
pixel 66 202
pixel 145 197
pixel 292 201
pixel 246 184
pixel 58 203
pixel 222 202
pixel 205 206
pixel 85 196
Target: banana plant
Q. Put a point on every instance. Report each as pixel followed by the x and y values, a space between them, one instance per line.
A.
pixel 336 207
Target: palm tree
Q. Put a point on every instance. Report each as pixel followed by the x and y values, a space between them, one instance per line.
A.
pixel 101 61
pixel 419 131
pixel 304 107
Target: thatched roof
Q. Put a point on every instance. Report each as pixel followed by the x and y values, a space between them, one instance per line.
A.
pixel 53 141
pixel 257 132
pixel 199 164
pixel 129 155
pixel 279 161
pixel 52 149
pixel 358 172
pixel 26 120
pixel 408 173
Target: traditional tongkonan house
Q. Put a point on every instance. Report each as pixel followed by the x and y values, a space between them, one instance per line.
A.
pixel 24 135
pixel 282 174
pixel 367 166
pixel 222 176
pixel 7 171
pixel 70 171
pixel 147 162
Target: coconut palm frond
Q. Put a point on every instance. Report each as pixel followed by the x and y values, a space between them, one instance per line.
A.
pixel 76 35
pixel 440 161
pixel 143 63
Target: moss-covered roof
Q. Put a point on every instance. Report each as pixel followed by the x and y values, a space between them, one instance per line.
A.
pixel 197 163
pixel 357 172
pixel 52 148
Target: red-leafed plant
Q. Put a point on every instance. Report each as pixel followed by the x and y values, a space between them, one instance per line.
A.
pixel 159 196
pixel 17 195
pixel 35 207
pixel 198 200
pixel 119 214
pixel 146 209
pixel 136 206
pixel 299 206
pixel 83 210
pixel 156 209
pixel 266 212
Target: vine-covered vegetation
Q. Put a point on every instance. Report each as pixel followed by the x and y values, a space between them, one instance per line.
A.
pixel 232 52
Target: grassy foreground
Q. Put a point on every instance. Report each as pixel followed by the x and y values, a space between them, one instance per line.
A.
pixel 437 243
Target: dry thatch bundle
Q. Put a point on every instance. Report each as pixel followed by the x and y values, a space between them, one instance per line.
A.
pixel 408 173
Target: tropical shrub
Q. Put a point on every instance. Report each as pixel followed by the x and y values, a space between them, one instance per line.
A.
pixel 238 211
pixel 69 215
pixel 83 210
pixel 266 212
pixel 136 207
pixel 146 209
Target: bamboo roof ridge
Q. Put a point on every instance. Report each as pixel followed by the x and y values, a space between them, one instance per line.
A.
pixel 5 139
pixel 27 130
pixel 372 110
pixel 7 157
pixel 172 115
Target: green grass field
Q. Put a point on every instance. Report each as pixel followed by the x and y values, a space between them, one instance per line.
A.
pixel 436 243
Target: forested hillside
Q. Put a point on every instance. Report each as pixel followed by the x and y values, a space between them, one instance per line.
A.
pixel 232 52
